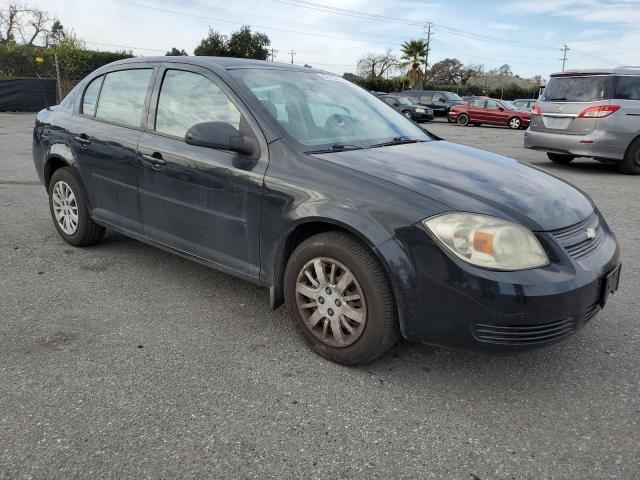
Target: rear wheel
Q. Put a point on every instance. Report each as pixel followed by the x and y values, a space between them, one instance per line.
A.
pixel 631 163
pixel 463 119
pixel 560 158
pixel 515 123
pixel 341 299
pixel 70 211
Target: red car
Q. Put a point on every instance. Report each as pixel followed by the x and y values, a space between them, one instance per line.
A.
pixel 490 111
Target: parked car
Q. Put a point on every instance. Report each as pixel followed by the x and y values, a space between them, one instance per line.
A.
pixel 490 111
pixel 590 113
pixel 364 224
pixel 438 101
pixel 417 113
pixel 524 103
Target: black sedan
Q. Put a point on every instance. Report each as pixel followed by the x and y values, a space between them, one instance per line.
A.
pixel 368 227
pixel 417 113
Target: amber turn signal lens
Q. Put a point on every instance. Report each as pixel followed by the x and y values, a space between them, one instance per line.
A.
pixel 483 242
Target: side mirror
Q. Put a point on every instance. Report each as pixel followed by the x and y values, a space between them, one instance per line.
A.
pixel 501 109
pixel 396 104
pixel 221 136
pixel 442 100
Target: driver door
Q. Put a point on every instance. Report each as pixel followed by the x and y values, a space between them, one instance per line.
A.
pixel 199 200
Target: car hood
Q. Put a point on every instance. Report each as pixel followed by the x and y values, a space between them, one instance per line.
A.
pixel 472 180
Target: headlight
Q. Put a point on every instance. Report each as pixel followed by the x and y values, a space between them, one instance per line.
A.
pixel 420 110
pixel 488 242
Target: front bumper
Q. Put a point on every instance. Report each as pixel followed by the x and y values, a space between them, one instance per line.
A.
pixel 447 302
pixel 597 144
pixel 423 116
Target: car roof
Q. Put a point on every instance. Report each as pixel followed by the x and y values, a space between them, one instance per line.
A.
pixel 226 63
pixel 624 70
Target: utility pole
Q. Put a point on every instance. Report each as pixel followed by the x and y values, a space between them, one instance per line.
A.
pixel 55 59
pixel 426 57
pixel 273 53
pixel 564 55
pixel 292 53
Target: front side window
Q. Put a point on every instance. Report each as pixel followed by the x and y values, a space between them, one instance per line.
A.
pixel 321 110
pixel 491 105
pixel 390 100
pixel 90 99
pixel 403 101
pixel 122 96
pixel 628 88
pixel 426 97
pixel 188 98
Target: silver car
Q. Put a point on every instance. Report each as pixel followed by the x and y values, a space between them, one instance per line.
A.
pixel 594 113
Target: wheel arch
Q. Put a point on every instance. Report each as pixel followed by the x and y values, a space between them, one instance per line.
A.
pixel 58 155
pixel 633 140
pixel 297 234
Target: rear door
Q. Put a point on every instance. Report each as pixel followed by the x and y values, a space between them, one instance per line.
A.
pixel 565 97
pixel 477 111
pixel 199 200
pixel 104 138
pixel 625 123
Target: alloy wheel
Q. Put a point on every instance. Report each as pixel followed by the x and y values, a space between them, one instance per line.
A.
pixel 514 123
pixel 331 302
pixel 65 207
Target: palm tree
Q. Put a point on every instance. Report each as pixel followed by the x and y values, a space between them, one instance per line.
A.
pixel 415 52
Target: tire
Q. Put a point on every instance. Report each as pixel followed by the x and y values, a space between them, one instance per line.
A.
pixel 463 120
pixel 560 158
pixel 514 123
pixel 86 231
pixel 378 329
pixel 408 114
pixel 631 163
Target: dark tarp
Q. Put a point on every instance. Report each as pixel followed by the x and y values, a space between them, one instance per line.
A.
pixel 27 94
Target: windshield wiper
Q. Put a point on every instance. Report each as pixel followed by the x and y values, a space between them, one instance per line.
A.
pixel 395 141
pixel 338 147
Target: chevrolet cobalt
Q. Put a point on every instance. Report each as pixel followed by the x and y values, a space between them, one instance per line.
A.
pixel 364 224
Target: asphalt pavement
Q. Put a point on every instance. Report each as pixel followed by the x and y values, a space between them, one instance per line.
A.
pixel 124 361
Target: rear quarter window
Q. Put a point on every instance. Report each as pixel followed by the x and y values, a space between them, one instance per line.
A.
pixel 627 88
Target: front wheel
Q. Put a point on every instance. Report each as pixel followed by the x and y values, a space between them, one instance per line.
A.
pixel 341 299
pixel 408 114
pixel 560 158
pixel 70 211
pixel 515 123
pixel 463 120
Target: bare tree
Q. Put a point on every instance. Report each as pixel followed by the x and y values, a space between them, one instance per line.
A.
pixel 467 72
pixel 374 65
pixel 23 23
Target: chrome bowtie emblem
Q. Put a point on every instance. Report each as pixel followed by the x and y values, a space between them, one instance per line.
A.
pixel 591 232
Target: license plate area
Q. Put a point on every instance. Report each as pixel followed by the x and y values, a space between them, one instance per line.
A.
pixel 557 123
pixel 610 285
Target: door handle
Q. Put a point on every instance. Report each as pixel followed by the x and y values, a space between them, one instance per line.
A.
pixel 155 159
pixel 82 139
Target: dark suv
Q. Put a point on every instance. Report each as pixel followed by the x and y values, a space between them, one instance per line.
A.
pixel 300 181
pixel 438 101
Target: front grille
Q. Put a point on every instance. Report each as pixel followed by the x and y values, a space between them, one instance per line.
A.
pixel 576 242
pixel 524 334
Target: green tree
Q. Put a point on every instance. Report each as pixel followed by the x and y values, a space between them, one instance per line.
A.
pixel 445 72
pixel 244 44
pixel 241 44
pixel 213 45
pixel 174 52
pixel 415 53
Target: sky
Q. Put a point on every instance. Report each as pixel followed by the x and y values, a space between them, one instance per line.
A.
pixel 528 35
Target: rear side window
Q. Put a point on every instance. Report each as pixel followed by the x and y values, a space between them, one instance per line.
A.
pixel 426 97
pixel 627 88
pixel 187 98
pixel 477 104
pixel 90 99
pixel 122 96
pixel 578 89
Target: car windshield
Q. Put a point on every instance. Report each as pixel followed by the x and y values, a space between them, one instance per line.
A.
pixel 453 96
pixel 509 105
pixel 403 101
pixel 578 89
pixel 321 110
